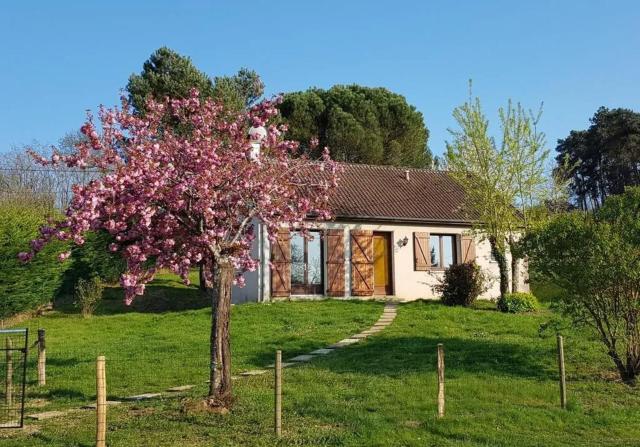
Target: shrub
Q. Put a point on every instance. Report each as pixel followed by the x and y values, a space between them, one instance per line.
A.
pixel 593 258
pixel 517 302
pixel 25 287
pixel 462 284
pixel 88 295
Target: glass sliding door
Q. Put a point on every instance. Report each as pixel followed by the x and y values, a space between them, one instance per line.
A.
pixel 306 265
pixel 297 261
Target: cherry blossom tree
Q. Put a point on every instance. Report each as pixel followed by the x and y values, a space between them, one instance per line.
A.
pixel 173 199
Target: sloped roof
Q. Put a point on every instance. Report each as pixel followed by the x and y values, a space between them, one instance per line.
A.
pixel 383 193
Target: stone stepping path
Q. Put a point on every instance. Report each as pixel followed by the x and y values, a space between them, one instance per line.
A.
pixel 322 351
pixel 179 389
pixel 93 406
pixel 145 396
pixel 254 372
pixel 387 317
pixel 303 358
pixel 284 365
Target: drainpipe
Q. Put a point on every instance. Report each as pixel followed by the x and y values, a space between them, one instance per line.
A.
pixel 260 269
pixel 264 263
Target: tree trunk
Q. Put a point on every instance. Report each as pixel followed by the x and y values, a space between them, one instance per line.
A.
pixel 627 372
pixel 220 373
pixel 205 284
pixel 501 259
pixel 515 274
pixel 515 267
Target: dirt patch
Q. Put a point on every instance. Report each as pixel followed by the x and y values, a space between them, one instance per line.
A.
pixel 36 403
pixel 141 411
pixel 412 424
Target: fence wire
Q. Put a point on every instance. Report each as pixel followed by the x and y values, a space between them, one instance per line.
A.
pixel 13 356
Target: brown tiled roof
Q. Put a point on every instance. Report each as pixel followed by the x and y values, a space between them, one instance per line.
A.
pixel 384 193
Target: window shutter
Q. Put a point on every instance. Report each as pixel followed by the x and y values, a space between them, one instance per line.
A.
pixel 468 247
pixel 362 262
pixel 281 265
pixel 421 255
pixel 335 262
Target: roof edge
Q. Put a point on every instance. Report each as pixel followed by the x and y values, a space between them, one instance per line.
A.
pixel 465 222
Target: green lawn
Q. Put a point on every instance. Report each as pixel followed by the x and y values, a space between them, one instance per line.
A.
pixel 501 379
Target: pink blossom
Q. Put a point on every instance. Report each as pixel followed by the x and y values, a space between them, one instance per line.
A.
pixel 25 257
pixel 64 256
pixel 186 199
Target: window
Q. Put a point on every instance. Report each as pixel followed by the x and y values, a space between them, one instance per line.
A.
pixel 306 264
pixel 443 250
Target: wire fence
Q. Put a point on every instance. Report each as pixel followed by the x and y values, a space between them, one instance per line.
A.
pixel 13 356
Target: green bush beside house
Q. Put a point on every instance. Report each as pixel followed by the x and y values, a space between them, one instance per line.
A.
pixel 517 302
pixel 461 284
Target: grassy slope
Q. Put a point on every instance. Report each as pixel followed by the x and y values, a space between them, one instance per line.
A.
pixel 148 349
pixel 501 380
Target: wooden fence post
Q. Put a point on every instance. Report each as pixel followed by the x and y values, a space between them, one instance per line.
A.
pixel 9 376
pixel 440 380
pixel 278 394
pixel 563 383
pixel 101 403
pixel 42 359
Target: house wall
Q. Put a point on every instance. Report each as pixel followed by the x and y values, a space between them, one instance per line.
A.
pixel 252 289
pixel 408 284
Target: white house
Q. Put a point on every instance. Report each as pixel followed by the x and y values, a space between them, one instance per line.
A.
pixel 395 230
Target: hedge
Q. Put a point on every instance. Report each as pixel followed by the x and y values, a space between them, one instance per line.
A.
pixel 25 287
pixel 93 259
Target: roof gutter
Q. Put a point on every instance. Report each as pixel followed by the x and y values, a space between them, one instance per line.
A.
pixel 410 220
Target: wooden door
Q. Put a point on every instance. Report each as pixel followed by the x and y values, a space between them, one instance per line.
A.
pixel 382 278
pixel 281 265
pixel 361 262
pixel 335 262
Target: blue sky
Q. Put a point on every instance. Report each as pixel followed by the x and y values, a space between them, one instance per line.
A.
pixel 61 58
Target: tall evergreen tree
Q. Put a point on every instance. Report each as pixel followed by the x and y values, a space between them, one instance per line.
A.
pixel 167 73
pixel 359 124
pixel 603 159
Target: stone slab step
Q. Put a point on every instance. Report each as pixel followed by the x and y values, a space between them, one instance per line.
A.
pixel 94 405
pixel 145 396
pixel 284 364
pixel 254 372
pixel 345 342
pixel 179 389
pixel 303 358
pixel 322 351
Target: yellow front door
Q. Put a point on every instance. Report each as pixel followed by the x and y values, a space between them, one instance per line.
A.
pixel 382 264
